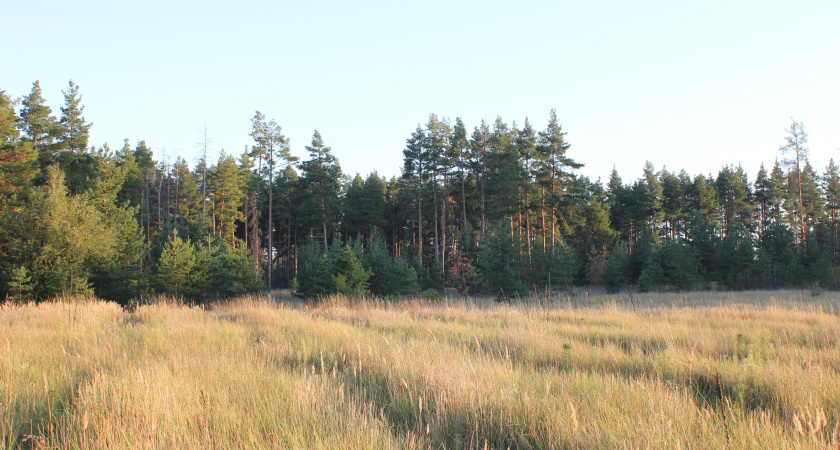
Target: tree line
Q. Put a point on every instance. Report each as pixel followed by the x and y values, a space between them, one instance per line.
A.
pixel 498 209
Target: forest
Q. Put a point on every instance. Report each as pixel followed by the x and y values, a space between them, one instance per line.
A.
pixel 496 210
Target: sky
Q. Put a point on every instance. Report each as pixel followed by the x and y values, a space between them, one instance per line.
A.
pixel 685 85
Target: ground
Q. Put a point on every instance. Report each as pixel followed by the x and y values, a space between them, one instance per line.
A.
pixel 700 370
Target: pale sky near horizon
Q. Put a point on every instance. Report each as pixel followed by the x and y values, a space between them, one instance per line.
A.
pixel 686 85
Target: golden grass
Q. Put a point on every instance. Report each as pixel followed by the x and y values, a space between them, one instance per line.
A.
pixel 701 370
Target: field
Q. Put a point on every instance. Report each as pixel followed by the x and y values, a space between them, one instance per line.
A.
pixel 701 370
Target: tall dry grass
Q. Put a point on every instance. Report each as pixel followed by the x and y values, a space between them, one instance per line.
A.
pixel 702 370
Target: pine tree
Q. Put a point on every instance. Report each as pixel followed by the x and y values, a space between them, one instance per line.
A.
pixel 497 263
pixel 435 145
pixel 288 200
pixel 734 197
pixel 480 147
pixel 19 285
pixel 314 277
pixel 320 180
pixel 74 130
pixel 460 153
pixel 175 267
pixel 39 126
pixel 374 204
pixel 652 200
pixel 71 142
pixel 188 201
pixel 831 188
pixel 64 240
pixel 506 174
pixel 615 274
pixel 120 283
pixel 349 276
pixel 226 191
pixel 795 147
pixel 672 204
pixel 526 143
pixel 761 199
pixel 415 171
pixel 17 157
pixel 554 165
pixel 274 146
pixel 353 210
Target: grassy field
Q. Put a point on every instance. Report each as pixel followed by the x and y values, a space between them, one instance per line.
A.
pixel 701 370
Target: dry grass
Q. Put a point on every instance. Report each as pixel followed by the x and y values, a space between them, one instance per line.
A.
pixel 701 370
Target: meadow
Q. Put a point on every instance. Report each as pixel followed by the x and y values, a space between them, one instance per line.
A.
pixel 699 370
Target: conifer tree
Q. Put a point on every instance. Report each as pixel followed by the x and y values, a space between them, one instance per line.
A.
pixel 794 148
pixel 74 130
pixel 19 285
pixel 226 191
pixel 616 272
pixel 434 147
pixel 314 277
pixel 831 187
pixel 17 157
pixel 320 178
pixel 554 166
pixel 63 239
pixel 414 170
pixel 651 202
pixel 460 152
pixel 673 212
pixel 353 210
pixel 39 126
pixel 480 147
pixel 349 276
pixel 175 267
pixel 526 143
pixel 274 146
pixel 374 204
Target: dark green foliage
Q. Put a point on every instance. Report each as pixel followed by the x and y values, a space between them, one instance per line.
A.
pixel 175 271
pixel 39 126
pixel 777 256
pixel 338 272
pixel 61 257
pixel 735 259
pixel 641 254
pixel 497 263
pixel 500 211
pixel 616 273
pixel 320 189
pixel 673 265
pixel 17 157
pixel 348 274
pixel 387 276
pixel 314 278
pixel 702 238
pixel 19 285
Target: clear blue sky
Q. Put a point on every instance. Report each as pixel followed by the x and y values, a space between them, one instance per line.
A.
pixel 692 85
